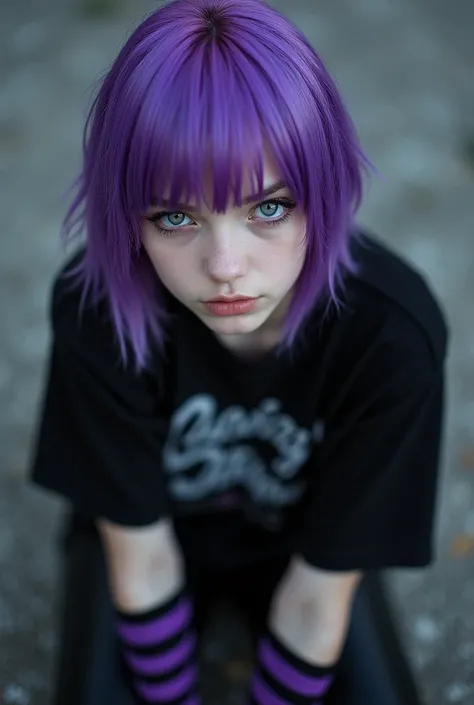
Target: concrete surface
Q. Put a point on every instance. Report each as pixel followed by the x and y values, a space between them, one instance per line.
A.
pixel 406 69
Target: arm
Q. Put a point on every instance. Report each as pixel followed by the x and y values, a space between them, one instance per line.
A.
pixel 371 509
pixel 154 614
pixel 311 611
pixel 307 628
pixel 104 423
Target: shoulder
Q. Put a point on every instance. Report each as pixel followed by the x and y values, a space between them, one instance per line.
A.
pixel 80 322
pixel 389 294
pixel 388 338
pixel 84 333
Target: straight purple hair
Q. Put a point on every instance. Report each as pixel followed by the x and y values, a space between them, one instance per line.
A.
pixel 208 87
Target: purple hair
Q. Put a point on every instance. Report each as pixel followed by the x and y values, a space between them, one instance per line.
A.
pixel 195 85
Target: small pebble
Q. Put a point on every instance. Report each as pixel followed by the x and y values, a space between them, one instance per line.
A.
pixel 466 651
pixel 15 695
pixel 458 692
pixel 426 629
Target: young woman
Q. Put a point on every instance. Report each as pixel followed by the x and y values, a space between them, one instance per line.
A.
pixel 245 392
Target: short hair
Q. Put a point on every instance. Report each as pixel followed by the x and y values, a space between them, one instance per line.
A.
pixel 209 87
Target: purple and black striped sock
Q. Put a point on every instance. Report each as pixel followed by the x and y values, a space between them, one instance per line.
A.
pixel 159 648
pixel 282 678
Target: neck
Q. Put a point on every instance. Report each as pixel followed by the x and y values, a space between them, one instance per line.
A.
pixel 252 345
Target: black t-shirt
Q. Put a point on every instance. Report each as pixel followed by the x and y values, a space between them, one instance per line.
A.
pixel 330 451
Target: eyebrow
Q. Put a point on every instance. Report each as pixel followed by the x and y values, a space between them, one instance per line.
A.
pixel 270 190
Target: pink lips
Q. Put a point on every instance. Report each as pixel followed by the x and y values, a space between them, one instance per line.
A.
pixel 231 305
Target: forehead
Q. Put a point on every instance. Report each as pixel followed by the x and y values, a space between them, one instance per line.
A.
pixel 252 187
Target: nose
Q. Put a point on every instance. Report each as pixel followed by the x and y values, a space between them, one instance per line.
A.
pixel 225 262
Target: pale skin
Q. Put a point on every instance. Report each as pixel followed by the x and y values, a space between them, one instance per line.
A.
pixel 203 255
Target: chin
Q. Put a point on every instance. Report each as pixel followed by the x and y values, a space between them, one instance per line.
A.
pixel 234 325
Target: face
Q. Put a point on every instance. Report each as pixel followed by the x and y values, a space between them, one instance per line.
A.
pixel 234 270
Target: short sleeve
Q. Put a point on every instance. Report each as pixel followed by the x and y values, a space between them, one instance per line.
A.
pixel 375 502
pixel 100 433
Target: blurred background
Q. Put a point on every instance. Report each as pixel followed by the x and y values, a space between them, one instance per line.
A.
pixel 406 69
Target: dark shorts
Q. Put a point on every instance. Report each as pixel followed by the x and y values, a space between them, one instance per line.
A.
pixel 248 590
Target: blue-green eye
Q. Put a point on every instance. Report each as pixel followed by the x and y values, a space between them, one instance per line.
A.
pixel 270 209
pixel 175 220
pixel 274 211
pixel 168 222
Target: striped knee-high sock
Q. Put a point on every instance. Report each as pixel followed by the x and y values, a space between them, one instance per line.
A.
pixel 282 678
pixel 159 648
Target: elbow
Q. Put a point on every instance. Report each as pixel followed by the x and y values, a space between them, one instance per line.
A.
pixel 144 566
pixel 155 583
pixel 311 612
pixel 313 635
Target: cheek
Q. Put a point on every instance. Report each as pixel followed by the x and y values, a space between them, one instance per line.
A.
pixel 298 244
pixel 285 254
pixel 167 258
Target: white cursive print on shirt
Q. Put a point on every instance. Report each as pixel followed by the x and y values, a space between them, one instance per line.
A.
pixel 219 445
